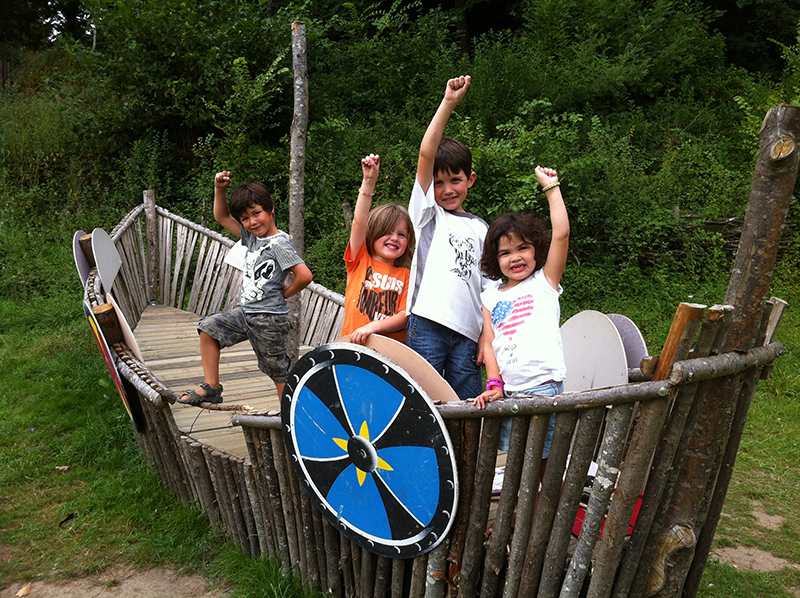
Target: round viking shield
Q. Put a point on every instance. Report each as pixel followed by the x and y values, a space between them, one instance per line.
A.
pixel 370 449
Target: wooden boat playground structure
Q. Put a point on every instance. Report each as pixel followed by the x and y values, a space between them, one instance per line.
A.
pixel 664 442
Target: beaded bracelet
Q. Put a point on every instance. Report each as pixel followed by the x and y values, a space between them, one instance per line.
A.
pixel 550 186
pixel 496 382
pixel 365 193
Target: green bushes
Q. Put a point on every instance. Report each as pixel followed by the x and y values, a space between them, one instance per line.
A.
pixel 35 138
pixel 632 103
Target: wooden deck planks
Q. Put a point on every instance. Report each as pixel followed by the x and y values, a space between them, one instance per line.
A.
pixel 170 347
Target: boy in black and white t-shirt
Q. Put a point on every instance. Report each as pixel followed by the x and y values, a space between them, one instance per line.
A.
pixel 262 316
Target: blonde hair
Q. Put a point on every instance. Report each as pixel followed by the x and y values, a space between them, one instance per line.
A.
pixel 382 221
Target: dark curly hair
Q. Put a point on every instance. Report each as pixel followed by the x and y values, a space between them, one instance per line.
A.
pixel 520 224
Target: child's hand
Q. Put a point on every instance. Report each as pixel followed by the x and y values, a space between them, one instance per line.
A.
pixel 489 396
pixel 457 88
pixel 370 166
pixel 546 176
pixel 359 336
pixel 222 179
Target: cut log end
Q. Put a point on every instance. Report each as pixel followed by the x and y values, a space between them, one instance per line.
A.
pixel 781 149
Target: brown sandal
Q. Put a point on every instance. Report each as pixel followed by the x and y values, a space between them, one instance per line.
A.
pixel 192 397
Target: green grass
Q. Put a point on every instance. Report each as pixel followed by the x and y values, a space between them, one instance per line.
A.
pixel 59 408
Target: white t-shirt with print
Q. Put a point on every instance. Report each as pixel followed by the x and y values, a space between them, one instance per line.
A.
pixel 527 337
pixel 446 280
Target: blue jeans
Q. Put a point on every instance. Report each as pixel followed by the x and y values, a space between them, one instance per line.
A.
pixel 450 353
pixel 548 388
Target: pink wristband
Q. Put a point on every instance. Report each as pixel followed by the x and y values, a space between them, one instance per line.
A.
pixel 496 382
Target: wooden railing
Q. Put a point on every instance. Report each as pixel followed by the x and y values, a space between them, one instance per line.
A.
pixel 193 276
pixel 636 433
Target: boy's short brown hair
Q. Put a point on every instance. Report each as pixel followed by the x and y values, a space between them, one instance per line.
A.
pixel 254 193
pixel 381 221
pixel 452 156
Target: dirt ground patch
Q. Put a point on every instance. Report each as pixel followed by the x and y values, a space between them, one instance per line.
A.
pixel 747 558
pixel 772 522
pixel 124 582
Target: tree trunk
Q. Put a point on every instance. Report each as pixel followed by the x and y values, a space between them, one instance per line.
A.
pixel 151 234
pixel 297 162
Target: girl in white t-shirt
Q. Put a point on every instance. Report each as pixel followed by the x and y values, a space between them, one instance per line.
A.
pixel 522 340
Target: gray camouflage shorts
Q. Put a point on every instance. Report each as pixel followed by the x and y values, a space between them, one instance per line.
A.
pixel 266 333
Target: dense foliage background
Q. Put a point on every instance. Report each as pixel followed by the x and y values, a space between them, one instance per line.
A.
pixel 650 111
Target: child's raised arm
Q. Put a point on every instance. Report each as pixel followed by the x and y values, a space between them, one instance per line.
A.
pixel 559 242
pixel 454 92
pixel 370 166
pixel 222 213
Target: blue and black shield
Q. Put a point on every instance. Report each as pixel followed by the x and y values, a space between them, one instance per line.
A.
pixel 370 449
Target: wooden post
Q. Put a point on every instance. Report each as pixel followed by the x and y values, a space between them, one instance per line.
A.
pixel 298 136
pixel 151 235
pixel 528 494
pixel 274 486
pixel 496 552
pixel 770 195
pixel 297 165
pixel 717 498
pixel 608 462
pixel 466 437
pixel 398 574
pixel 547 501
pixel 661 481
pixel 86 247
pixel 336 569
pixel 679 342
pixel 479 508
pixel 109 323
pixel 584 443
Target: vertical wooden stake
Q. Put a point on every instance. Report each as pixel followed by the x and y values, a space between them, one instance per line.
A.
pixel 297 166
pixel 151 234
pixel 297 162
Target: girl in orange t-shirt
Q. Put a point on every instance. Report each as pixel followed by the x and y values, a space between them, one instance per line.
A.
pixel 378 259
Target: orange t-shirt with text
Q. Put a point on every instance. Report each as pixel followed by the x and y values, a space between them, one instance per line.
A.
pixel 375 290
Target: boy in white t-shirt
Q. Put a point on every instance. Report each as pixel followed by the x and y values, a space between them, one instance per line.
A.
pixel 445 322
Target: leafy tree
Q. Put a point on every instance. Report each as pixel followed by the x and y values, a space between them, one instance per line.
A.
pixel 36 24
pixel 173 60
pixel 24 26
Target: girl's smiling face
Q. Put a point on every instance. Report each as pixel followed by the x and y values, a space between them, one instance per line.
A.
pixel 517 258
pixel 391 246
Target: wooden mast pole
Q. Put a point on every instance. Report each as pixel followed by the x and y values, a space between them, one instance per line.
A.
pixel 151 236
pixel 297 165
